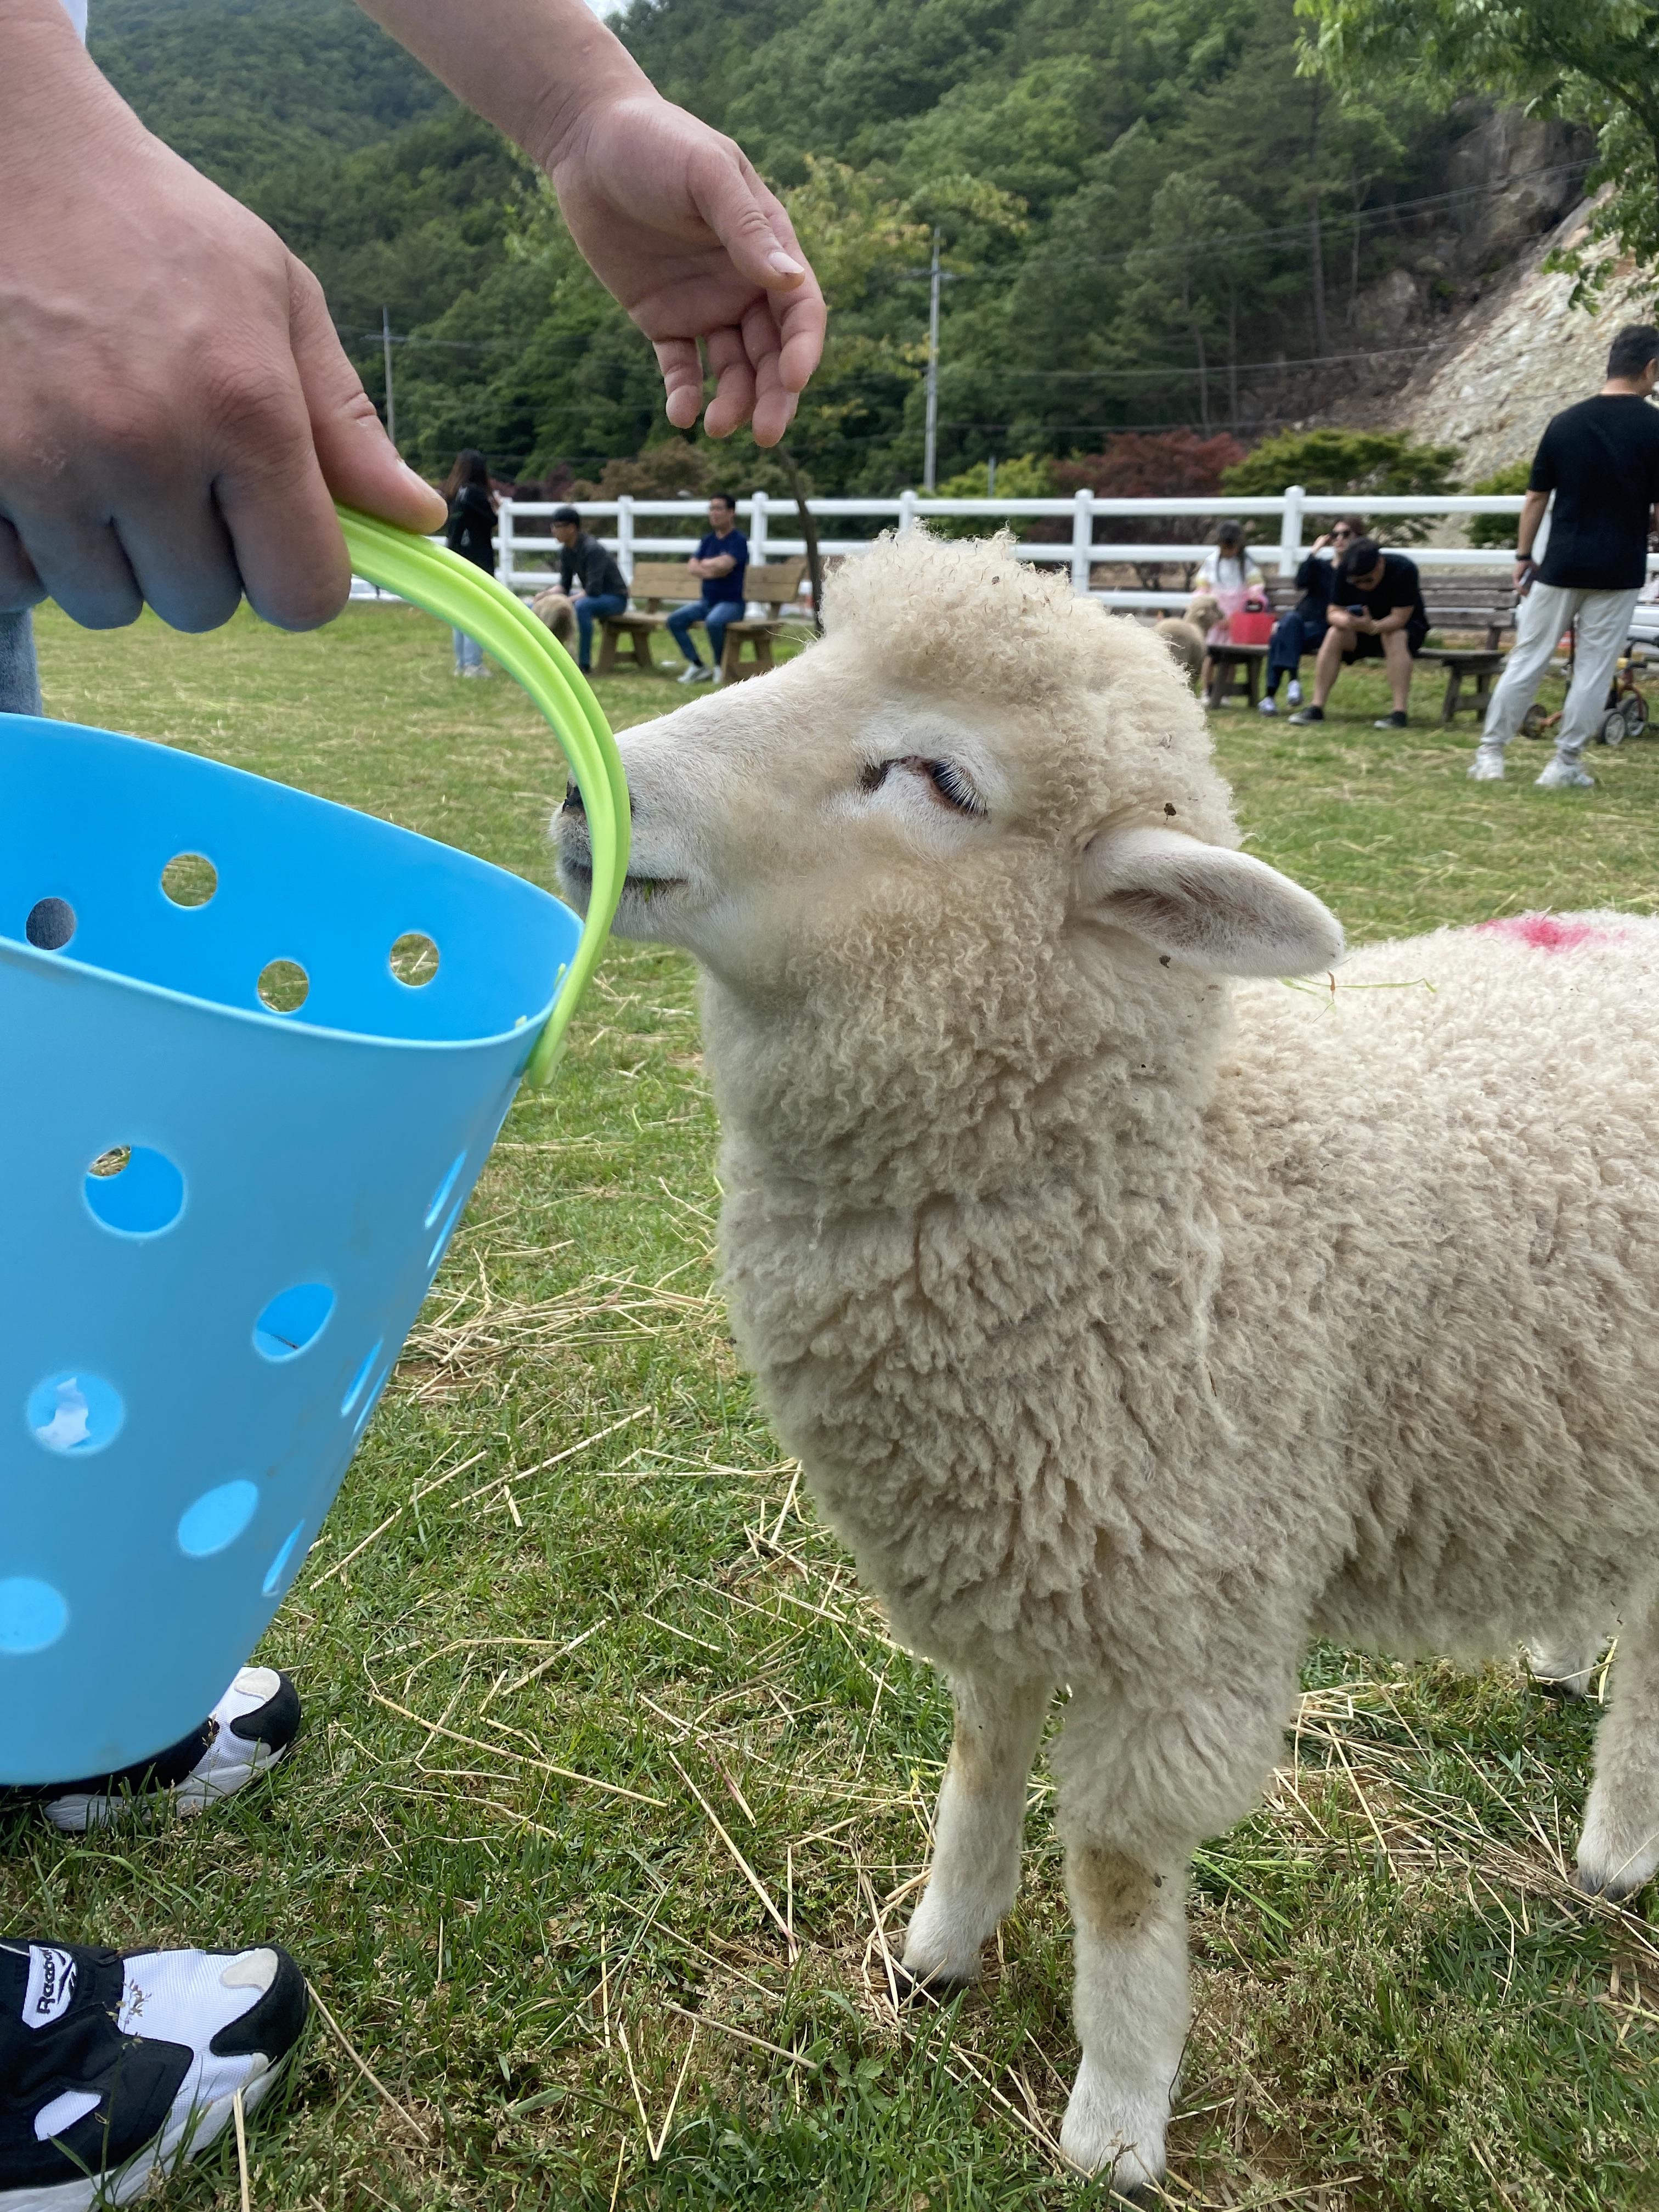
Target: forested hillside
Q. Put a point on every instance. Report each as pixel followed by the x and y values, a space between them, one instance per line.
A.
pixel 1149 217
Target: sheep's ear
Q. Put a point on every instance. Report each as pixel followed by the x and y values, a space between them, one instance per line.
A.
pixel 1206 906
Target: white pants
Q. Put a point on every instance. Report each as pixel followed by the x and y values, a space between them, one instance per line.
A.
pixel 1603 620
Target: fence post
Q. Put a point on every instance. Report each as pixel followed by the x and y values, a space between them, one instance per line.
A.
pixel 1289 530
pixel 907 512
pixel 758 528
pixel 625 535
pixel 1083 538
pixel 504 541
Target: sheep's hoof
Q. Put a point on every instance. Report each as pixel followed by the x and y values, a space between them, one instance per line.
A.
pixel 940 1988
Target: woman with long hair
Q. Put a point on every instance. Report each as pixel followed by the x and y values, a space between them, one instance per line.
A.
pixel 470 531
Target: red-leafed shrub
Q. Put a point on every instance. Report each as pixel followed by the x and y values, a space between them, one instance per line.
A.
pixel 1153 465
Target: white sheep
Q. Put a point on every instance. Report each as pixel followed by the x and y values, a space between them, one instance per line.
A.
pixel 1134 1325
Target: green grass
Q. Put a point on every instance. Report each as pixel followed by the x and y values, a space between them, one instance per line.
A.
pixel 1401 2002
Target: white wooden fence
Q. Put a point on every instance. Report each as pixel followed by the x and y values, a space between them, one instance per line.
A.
pixel 525 541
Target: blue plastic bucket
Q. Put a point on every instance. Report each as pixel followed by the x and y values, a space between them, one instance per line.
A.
pixel 220 1220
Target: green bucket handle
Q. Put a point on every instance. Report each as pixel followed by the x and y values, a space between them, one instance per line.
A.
pixel 470 600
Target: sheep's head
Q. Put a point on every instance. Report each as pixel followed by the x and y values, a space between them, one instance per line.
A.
pixel 935 864
pixel 970 753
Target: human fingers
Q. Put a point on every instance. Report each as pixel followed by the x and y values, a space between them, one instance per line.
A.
pixel 682 378
pixel 81 563
pixel 181 558
pixel 775 404
pixel 277 507
pixel 734 383
pixel 19 586
pixel 358 463
pixel 732 201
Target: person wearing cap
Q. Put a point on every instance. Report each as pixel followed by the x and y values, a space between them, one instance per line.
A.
pixel 1377 613
pixel 1599 462
pixel 178 420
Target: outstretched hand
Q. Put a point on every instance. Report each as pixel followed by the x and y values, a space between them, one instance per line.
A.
pixel 674 221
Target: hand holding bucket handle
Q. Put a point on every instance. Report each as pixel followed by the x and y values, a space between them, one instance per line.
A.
pixel 465 597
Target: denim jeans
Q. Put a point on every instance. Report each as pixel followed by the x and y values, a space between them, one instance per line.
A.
pixel 1293 635
pixel 593 607
pixel 20 686
pixel 715 614
pixel 469 654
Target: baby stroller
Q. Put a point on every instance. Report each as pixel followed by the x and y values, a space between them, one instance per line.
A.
pixel 1626 712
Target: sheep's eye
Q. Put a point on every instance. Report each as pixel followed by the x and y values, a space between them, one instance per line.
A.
pixel 872 777
pixel 953 786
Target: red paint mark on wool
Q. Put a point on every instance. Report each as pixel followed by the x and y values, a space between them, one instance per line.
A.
pixel 1546 934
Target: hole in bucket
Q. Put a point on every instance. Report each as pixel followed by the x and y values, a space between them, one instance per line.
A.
pixel 347 1404
pixel 32 1615
pixel 279 1566
pixel 293 1320
pixel 217 1518
pixel 190 880
pixel 78 1414
pixel 51 925
pixel 134 1191
pixel 440 1196
pixel 414 959
pixel 283 987
pixel 371 1401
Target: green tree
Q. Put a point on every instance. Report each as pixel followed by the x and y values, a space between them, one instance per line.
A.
pixel 1021 476
pixel 1349 464
pixel 1594 62
pixel 1498 531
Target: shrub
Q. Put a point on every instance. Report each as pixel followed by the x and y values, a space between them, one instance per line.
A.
pixel 1349 464
pixel 1021 476
pixel 1497 531
pixel 1153 465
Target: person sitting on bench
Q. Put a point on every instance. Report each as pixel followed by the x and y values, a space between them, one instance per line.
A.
pixel 721 562
pixel 584 561
pixel 1377 614
pixel 1302 629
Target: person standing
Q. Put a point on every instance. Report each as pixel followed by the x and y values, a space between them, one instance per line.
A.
pixel 1377 613
pixel 470 531
pixel 1302 629
pixel 1600 461
pixel 721 560
pixel 588 573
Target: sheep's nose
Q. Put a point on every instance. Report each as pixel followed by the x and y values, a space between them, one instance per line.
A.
pixel 572 801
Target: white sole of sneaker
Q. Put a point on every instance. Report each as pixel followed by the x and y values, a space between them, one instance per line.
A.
pixel 197 2132
pixel 79 1816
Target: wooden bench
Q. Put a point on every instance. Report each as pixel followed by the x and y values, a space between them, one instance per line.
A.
pixel 1483 606
pixel 774 584
pixel 1480 605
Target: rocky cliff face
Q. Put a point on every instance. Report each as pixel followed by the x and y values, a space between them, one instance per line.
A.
pixel 1513 357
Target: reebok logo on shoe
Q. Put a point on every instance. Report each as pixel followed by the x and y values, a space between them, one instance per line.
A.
pixel 50 1985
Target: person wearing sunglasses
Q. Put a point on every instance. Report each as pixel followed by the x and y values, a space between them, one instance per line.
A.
pixel 1302 629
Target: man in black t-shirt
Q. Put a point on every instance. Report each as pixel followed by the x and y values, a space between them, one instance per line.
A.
pixel 583 561
pixel 1377 613
pixel 1600 463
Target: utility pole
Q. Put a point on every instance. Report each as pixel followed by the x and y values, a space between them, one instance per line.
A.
pixel 391 401
pixel 930 448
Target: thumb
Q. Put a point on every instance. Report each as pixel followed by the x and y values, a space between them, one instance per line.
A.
pixel 359 462
pixel 733 202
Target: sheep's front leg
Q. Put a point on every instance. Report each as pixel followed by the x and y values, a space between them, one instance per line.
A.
pixel 1138 1789
pixel 1620 1847
pixel 978 1830
pixel 1563 1666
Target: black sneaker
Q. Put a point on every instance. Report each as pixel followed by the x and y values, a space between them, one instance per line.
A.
pixel 251 1729
pixel 113 2069
pixel 1310 714
pixel 1397 721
